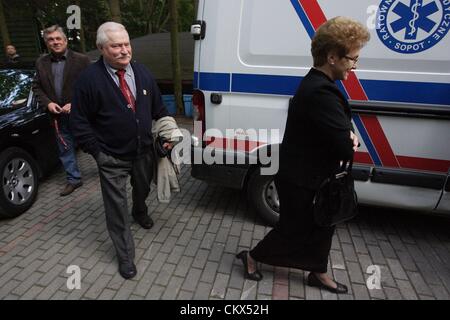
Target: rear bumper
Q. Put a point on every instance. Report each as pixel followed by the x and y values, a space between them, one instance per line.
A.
pixel 227 175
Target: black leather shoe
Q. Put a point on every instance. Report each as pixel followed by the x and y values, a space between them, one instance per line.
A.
pixel 144 221
pixel 313 281
pixel 255 276
pixel 127 270
pixel 69 188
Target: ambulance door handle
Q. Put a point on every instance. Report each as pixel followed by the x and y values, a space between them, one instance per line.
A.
pixel 216 98
pixel 198 30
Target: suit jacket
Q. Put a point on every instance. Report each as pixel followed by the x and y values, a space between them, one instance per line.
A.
pixel 317 134
pixel 43 85
pixel 101 119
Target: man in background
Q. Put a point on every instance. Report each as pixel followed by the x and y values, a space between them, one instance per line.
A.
pixel 12 57
pixel 56 73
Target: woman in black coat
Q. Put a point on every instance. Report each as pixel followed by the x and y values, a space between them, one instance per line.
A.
pixel 318 135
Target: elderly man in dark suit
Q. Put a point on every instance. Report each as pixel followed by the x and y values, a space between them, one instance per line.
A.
pixel 56 73
pixel 114 103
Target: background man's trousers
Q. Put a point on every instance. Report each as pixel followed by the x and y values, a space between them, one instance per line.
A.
pixel 113 174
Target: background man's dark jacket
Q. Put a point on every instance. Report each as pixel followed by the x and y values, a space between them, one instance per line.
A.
pixel 100 119
pixel 44 87
pixel 317 134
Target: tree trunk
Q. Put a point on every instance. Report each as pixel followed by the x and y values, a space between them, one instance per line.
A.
pixel 114 7
pixel 176 66
pixel 158 22
pixel 195 6
pixel 4 27
pixel 150 12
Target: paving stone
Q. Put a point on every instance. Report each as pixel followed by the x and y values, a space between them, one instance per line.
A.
pixel 125 290
pixel 185 295
pixel 220 285
pixel 96 289
pixel 145 283
pixel 419 284
pixel 234 294
pixel 360 292
pixel 192 279
pixel 355 273
pixel 249 290
pixel 397 269
pixel 165 274
pixel 203 291
pixel 183 267
pixel 393 293
pixel 337 260
pixel 407 290
pixel 376 255
pixel 173 288
pixel 349 252
pixel 209 273
pixel 200 259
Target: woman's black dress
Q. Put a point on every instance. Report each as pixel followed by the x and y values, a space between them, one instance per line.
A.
pixel 316 138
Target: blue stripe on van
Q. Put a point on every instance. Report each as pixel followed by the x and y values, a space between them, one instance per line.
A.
pixel 195 84
pixel 405 91
pixel 265 84
pixel 367 141
pixel 378 90
pixel 214 81
pixel 303 18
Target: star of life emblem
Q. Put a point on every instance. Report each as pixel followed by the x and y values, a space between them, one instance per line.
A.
pixel 412 26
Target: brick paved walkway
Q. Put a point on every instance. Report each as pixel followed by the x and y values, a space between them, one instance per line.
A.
pixel 189 253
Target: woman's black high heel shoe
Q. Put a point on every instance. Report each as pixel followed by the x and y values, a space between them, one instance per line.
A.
pixel 313 281
pixel 255 276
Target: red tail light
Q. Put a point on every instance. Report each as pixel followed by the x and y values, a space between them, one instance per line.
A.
pixel 198 104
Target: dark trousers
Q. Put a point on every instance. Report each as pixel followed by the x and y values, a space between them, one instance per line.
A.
pixel 67 152
pixel 113 174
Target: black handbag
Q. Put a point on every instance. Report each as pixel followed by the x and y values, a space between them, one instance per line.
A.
pixel 336 201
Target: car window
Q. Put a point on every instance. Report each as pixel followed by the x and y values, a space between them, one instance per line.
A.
pixel 15 87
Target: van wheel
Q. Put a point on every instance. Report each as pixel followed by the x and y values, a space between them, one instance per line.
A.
pixel 263 197
pixel 19 182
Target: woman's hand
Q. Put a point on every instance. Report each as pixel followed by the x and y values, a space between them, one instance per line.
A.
pixel 355 140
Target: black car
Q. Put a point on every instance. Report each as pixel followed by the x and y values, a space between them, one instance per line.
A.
pixel 28 148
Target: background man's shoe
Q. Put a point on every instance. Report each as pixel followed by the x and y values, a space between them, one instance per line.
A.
pixel 69 188
pixel 127 270
pixel 144 221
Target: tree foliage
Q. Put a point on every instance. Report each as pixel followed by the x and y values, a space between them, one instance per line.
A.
pixel 140 17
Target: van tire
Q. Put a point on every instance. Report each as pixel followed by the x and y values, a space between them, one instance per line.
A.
pixel 263 197
pixel 16 200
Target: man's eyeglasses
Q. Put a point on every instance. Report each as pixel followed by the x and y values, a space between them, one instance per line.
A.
pixel 352 59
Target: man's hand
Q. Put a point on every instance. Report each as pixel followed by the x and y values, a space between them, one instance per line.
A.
pixel 168 146
pixel 355 140
pixel 54 108
pixel 66 108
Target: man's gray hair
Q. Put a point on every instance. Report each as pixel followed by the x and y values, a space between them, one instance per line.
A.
pixel 104 29
pixel 52 29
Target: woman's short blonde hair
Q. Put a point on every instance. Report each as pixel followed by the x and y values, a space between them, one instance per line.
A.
pixel 339 35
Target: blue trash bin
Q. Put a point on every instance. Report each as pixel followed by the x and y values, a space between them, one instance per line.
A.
pixel 187 99
pixel 169 102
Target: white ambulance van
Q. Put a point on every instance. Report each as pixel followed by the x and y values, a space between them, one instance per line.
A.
pixel 250 56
